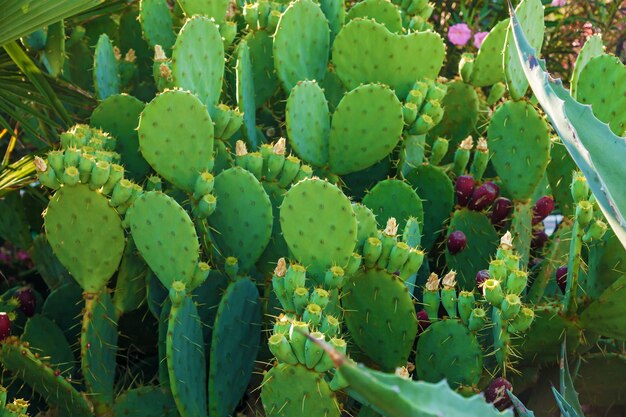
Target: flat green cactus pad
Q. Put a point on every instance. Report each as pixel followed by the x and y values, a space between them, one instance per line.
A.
pixel 605 316
pixel 591 49
pixel 448 350
pixel 54 53
pixel 319 225
pixel 335 12
pixel 215 9
pixel 381 11
pixel 156 22
pixel 81 226
pixel 365 51
pixel 165 237
pixel 607 264
pixel 461 114
pixel 301 44
pixel 106 77
pixel 482 242
pixel 602 84
pixel 394 198
pixel 198 59
pixel 516 129
pixel 530 15
pixel 98 348
pixel 311 396
pixel 234 347
pixel 177 144
pixel 488 63
pixel 246 94
pixel 243 218
pixel 47 339
pixel 558 171
pixel 185 359
pixel 437 197
pixel 64 307
pixel 366 127
pixel 130 286
pixel 366 223
pixel 148 401
pixel 380 315
pixel 119 116
pixel 262 58
pixel 308 123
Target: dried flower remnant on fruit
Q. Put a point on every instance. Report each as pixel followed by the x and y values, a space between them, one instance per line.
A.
pixel 467 143
pixel 281 268
pixel 432 283
pixel 280 146
pixel 449 280
pixel 240 148
pixel 506 242
pixel 392 227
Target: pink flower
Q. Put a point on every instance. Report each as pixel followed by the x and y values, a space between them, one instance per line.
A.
pixel 459 34
pixel 558 3
pixel 479 37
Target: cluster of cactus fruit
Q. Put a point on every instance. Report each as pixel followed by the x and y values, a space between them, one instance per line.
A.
pixel 195 259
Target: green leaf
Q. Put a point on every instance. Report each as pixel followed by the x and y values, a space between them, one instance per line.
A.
pixel 597 151
pixel 567 384
pixel 566 409
pixel 521 409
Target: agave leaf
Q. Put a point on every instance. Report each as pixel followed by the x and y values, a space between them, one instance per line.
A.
pixel 597 151
pixel 566 409
pixel 567 384
pixel 521 409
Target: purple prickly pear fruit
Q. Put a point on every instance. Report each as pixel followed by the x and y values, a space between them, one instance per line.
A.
pixel 422 321
pixel 540 238
pixel 502 207
pixel 464 189
pixel 481 277
pixel 5 326
pixel 496 393
pixel 543 207
pixel 484 196
pixel 456 242
pixel 27 300
pixel 561 277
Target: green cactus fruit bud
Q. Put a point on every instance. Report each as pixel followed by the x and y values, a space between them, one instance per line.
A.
pixel 497 270
pixel 462 155
pixel 154 183
pixel 115 175
pixel 272 20
pixel 281 349
pixel 221 116
pixel 584 213
pixel 297 339
pixel 264 8
pixel 70 176
pixel 295 277
pixel 329 326
pixel 492 291
pixel 448 294
pixel 409 113
pixel 522 322
pixel 99 174
pixel 228 30
pixel 372 248
pixel 426 11
pixel 579 187
pixel 178 292
pixel 496 93
pixel 283 324
pixel 320 297
pixel 398 256
pixel 231 266
pixel 417 97
pixel 55 160
pixel 422 87
pixel 71 157
pixel 595 231
pixel 432 298
pixel 511 306
pixel 477 319
pixel 278 284
pixel 300 300
pixel 313 352
pixel 516 282
pixel 254 164
pixel 354 263
pixel 312 315
pixel 466 305
pixel 413 264
pixel 275 164
pixel 388 242
pixel 204 185
pixel 481 158
pixel 85 166
pixel 304 173
pixel 422 125
pixel 439 150
pixel 433 109
pixel 437 92
pixel 466 66
pixel 338 382
pixel 512 261
pixel 200 274
pixel 334 277
pixel 121 193
pixel 326 363
pixel 289 172
pixel 234 124
pixel 207 206
pixel 251 15
pixel 46 174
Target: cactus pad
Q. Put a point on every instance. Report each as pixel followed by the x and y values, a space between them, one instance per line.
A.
pixel 366 126
pixel 301 44
pixel 365 51
pixel 380 315
pixel 246 94
pixel 215 9
pixel 47 339
pixel 81 226
pixel 366 222
pixel 119 116
pixel 165 237
pixel 488 63
pixel 64 306
pixel 311 396
pixel 262 58
pixel 318 224
pixel 394 198
pixel 148 401
pixel 156 22
pixel 106 77
pixel 308 122
pixel 198 60
pixel 185 358
pixel 606 315
pixel 381 11
pixel 482 242
pixel 447 349
pixel 461 114
pixel 592 48
pixel 520 147
pixel 236 338
pixel 602 84
pixel 177 144
pixel 243 218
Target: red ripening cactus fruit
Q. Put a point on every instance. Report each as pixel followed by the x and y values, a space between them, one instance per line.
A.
pixel 540 237
pixel 5 326
pixel 542 208
pixel 27 300
pixel 481 277
pixel 456 242
pixel 501 209
pixel 422 321
pixel 484 196
pixel 561 277
pixel 496 393
pixel 464 189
